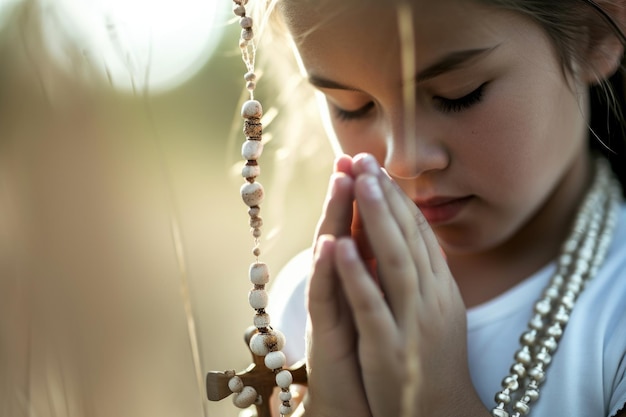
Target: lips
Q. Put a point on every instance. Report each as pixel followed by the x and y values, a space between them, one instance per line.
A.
pixel 439 210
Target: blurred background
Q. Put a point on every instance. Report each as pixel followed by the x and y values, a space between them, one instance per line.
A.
pixel 124 243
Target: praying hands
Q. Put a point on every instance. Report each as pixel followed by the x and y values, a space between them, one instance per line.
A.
pixel 387 333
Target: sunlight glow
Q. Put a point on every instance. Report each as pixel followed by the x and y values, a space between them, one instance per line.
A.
pixel 138 44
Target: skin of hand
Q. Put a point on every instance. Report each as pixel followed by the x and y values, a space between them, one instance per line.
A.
pixel 411 324
pixel 335 386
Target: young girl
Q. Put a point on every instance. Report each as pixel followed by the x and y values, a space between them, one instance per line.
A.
pixel 484 269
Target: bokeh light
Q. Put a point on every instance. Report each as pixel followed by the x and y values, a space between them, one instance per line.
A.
pixel 137 44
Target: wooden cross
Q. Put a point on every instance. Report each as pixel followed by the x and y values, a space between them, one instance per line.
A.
pixel 257 375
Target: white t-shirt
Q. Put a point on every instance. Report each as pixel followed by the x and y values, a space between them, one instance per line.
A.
pixel 587 377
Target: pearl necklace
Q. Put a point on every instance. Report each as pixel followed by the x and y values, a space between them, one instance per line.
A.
pixel 581 256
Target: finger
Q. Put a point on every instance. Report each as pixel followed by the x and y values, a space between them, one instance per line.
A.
pixel 396 267
pixel 337 213
pixel 371 314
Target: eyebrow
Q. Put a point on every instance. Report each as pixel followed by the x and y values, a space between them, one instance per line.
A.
pixel 448 63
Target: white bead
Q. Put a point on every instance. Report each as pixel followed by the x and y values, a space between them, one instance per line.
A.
pixel 284 379
pixel 251 109
pixel 259 273
pixel 256 222
pixel 245 398
pixel 251 171
pixel 284 396
pixel 259 345
pixel 284 410
pixel 235 384
pixel 280 340
pixel 247 34
pixel 258 299
pixel 261 321
pixel 252 150
pixel 275 360
pixel 252 193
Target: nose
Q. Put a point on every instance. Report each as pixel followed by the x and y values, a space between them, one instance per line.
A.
pixel 413 150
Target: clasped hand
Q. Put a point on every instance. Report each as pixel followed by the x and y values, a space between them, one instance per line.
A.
pixel 386 334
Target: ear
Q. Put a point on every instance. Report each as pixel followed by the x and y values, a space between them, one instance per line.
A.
pixel 605 48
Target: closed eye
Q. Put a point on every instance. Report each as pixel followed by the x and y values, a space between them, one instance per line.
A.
pixel 457 105
pixel 347 115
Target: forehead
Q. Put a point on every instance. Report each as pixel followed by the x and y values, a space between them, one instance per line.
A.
pixel 326 30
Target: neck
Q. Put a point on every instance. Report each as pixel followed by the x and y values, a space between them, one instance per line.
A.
pixel 487 274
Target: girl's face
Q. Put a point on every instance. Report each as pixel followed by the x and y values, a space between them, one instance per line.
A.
pixel 493 126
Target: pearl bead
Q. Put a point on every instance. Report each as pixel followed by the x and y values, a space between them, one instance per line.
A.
pixel 284 379
pixel 245 398
pixel 275 360
pixel 252 150
pixel 235 384
pixel 498 412
pixel 259 273
pixel 254 211
pixel 258 299
pixel 523 356
pixel 252 194
pixel 251 109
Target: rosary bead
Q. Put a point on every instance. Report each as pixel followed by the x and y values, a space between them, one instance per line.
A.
pixel 249 76
pixel 284 396
pixel 254 211
pixel 259 273
pixel 243 44
pixel 235 384
pixel 247 34
pixel 275 360
pixel 284 410
pixel 262 320
pixel 544 357
pixel 251 171
pixel 245 398
pixel 532 394
pixel 245 22
pixel 284 379
pixel 256 222
pixel 239 10
pixel 280 340
pixel 260 343
pixel 251 109
pixel 258 299
pixel 536 322
pixel 251 150
pixel 250 85
pixel 537 373
pixel 256 251
pixel 241 2
pixel 551 292
pixel 252 194
pixel 253 129
pixel 561 316
pixel 256 232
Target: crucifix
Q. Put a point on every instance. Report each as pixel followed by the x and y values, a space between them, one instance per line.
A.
pixel 256 384
pixel 257 375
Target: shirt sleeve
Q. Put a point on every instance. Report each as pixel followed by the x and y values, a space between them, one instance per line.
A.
pixel 287 306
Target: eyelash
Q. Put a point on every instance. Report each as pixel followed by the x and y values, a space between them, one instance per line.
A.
pixel 347 115
pixel 463 103
pixel 445 105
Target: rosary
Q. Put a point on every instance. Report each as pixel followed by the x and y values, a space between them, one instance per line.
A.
pixel 255 385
